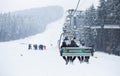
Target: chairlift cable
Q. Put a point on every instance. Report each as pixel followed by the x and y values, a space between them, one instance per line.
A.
pixel 76 8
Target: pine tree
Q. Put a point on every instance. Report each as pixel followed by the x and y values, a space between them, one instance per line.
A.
pixel 90 20
pixel 102 13
pixel 90 16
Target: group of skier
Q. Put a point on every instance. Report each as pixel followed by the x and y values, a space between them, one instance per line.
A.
pixel 71 59
pixel 36 47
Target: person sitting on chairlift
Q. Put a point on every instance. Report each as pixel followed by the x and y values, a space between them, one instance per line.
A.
pixel 64 57
pixel 73 44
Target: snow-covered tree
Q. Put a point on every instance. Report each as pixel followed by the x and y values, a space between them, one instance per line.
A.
pixel 25 23
pixel 90 16
pixel 90 20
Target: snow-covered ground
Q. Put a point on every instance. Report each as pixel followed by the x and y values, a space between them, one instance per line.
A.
pixel 48 62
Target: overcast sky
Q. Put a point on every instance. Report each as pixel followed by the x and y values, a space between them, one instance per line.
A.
pixel 13 5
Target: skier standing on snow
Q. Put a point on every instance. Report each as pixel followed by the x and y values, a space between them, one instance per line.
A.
pixel 40 47
pixel 44 47
pixel 29 46
pixel 35 46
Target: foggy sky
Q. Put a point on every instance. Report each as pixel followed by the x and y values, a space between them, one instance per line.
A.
pixel 14 5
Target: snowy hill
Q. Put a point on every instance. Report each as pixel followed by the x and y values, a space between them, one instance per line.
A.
pixel 25 23
pixel 17 60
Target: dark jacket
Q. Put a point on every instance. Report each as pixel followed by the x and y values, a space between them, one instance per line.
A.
pixel 73 44
pixel 64 44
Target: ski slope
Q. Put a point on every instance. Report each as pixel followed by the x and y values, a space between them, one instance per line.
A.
pixel 17 60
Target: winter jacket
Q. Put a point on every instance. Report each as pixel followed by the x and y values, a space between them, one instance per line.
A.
pixel 64 44
pixel 73 44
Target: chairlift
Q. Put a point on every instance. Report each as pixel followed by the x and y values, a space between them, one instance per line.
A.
pixel 73 51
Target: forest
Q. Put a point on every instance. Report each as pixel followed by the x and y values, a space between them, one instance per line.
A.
pixel 106 15
pixel 24 23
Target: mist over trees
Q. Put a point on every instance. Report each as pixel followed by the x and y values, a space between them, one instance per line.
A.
pixel 106 15
pixel 21 24
pixel 109 11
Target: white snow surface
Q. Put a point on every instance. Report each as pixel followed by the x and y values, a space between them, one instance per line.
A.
pixel 49 62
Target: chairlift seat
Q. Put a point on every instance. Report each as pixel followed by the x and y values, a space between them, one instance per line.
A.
pixel 76 51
